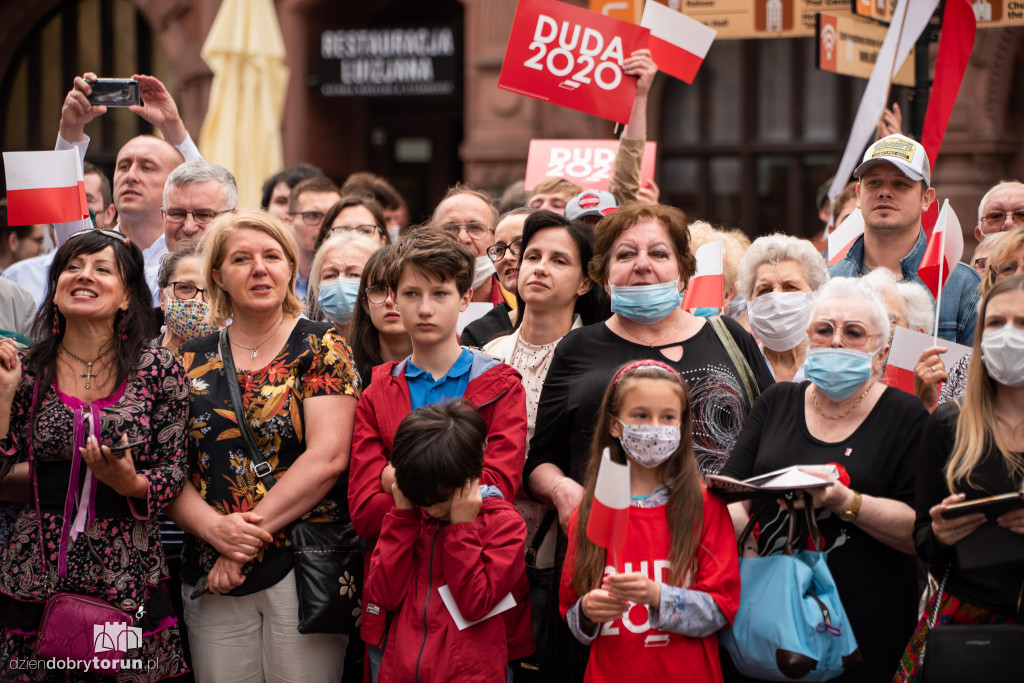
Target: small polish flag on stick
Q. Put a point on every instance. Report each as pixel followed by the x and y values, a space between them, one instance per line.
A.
pixel 842 238
pixel 907 346
pixel 609 513
pixel 678 43
pixel 945 248
pixel 704 290
pixel 44 187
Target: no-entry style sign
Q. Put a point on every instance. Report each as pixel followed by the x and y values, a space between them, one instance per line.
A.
pixel 572 57
pixel 588 163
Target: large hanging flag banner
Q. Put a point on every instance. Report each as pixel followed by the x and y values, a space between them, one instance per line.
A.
pixel 705 288
pixel 609 513
pixel 678 43
pixel 44 187
pixel 842 238
pixel 588 163
pixel 572 57
pixel 944 250
pixel 908 21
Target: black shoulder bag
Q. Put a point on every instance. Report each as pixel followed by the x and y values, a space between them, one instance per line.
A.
pixel 328 556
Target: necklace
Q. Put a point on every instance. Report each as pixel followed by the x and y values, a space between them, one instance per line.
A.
pixel 255 349
pixel 88 374
pixel 650 343
pixel 814 397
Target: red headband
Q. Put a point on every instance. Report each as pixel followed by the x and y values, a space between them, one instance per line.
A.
pixel 646 363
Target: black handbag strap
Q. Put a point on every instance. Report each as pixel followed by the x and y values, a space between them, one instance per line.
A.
pixel 257 460
pixel 812 524
pixel 538 538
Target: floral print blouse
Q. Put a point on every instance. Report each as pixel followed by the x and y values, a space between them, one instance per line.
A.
pixel 315 361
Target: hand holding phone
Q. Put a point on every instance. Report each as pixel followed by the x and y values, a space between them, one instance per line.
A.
pixel 114 92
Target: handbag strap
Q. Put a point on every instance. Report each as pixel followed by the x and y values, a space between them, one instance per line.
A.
pixel 788 547
pixel 737 358
pixel 538 538
pixel 257 460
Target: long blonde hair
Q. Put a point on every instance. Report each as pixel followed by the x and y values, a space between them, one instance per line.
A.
pixel 977 428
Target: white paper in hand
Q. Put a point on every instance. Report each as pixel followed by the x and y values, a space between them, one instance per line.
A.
pixel 507 603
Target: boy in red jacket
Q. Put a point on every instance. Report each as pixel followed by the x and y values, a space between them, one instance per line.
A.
pixel 451 549
pixel 430 276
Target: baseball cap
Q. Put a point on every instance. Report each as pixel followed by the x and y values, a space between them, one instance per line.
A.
pixel 591 203
pixel 903 153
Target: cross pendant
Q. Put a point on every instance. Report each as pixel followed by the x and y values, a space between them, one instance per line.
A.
pixel 88 375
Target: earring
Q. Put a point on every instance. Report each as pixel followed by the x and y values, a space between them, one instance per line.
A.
pixel 122 326
pixel 56 321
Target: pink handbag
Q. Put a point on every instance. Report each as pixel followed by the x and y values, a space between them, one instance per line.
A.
pixel 80 627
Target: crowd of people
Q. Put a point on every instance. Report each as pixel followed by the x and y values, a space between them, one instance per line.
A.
pixel 185 381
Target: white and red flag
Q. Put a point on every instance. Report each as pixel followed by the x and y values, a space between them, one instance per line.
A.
pixel 907 346
pixel 705 288
pixel 44 187
pixel 945 247
pixel 842 237
pixel 609 513
pixel 678 44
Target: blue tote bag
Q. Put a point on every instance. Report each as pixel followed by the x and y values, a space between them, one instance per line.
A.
pixel 790 625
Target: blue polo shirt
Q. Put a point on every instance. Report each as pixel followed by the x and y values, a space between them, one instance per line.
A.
pixel 424 390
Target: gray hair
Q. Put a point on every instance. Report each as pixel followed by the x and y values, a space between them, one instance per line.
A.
pixel 774 249
pixel 199 172
pixel 998 186
pixel 856 288
pixel 342 239
pixel 920 309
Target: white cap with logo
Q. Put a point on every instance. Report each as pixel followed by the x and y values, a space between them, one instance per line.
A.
pixel 903 153
pixel 596 203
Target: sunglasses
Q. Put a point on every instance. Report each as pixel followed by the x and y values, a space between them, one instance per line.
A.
pixel 112 234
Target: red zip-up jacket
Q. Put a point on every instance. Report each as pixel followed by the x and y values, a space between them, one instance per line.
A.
pixel 497 391
pixel 481 562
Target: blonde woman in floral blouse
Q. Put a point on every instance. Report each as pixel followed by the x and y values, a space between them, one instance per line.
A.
pixel 299 393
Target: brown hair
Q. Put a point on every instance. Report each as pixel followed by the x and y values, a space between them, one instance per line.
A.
pixel 977 428
pixel 370 184
pixel 315 184
pixel 462 188
pixel 685 510
pixel 214 245
pixel 849 192
pixel 1010 247
pixel 182 250
pixel 554 185
pixel 369 203
pixel 614 224
pixel 434 254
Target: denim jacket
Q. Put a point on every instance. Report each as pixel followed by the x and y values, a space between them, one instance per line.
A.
pixel 958 313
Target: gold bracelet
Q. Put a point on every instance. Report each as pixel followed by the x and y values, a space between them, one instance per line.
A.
pixel 555 487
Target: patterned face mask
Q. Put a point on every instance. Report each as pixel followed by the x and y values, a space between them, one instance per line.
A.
pixel 187 318
pixel 649 445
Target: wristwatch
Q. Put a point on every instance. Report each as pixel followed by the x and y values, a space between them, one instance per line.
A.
pixel 851 513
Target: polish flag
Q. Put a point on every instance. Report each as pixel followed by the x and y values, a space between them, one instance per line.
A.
pixel 678 44
pixel 705 288
pixel 44 187
pixel 945 247
pixel 609 513
pixel 907 346
pixel 842 238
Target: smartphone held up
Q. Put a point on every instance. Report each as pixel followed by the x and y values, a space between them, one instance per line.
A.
pixel 114 92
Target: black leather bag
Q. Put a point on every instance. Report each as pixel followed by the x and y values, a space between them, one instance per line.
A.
pixel 541 589
pixel 328 556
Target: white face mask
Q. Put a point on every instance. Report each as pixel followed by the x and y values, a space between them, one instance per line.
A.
pixel 394 232
pixel 1002 352
pixel 484 270
pixel 779 319
pixel 649 445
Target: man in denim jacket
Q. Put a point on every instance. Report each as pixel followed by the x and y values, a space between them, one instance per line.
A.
pixel 893 191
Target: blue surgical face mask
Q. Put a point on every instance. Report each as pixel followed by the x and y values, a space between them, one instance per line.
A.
pixel 838 372
pixel 646 304
pixel 705 312
pixel 338 299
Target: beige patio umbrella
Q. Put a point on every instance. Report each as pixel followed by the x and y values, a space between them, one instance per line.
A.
pixel 242 130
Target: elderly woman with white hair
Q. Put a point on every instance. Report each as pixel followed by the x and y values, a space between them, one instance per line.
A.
pixel 844 415
pixel 908 303
pixel 778 277
pixel 333 290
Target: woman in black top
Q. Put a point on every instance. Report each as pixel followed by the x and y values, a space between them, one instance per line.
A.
pixel 845 416
pixel 975 448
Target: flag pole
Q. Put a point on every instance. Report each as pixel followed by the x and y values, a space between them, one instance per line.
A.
pixel 938 295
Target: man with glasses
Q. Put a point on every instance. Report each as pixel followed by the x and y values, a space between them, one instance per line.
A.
pixel 894 190
pixel 307 205
pixel 469 215
pixel 1001 209
pixel 194 195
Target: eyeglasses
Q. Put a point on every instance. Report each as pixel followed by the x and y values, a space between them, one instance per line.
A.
pixel 200 216
pixel 112 234
pixel 187 290
pixel 997 218
pixel 496 252
pixel 367 229
pixel 854 335
pixel 474 230
pixel 980 262
pixel 310 218
pixel 377 295
pixel 1005 269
